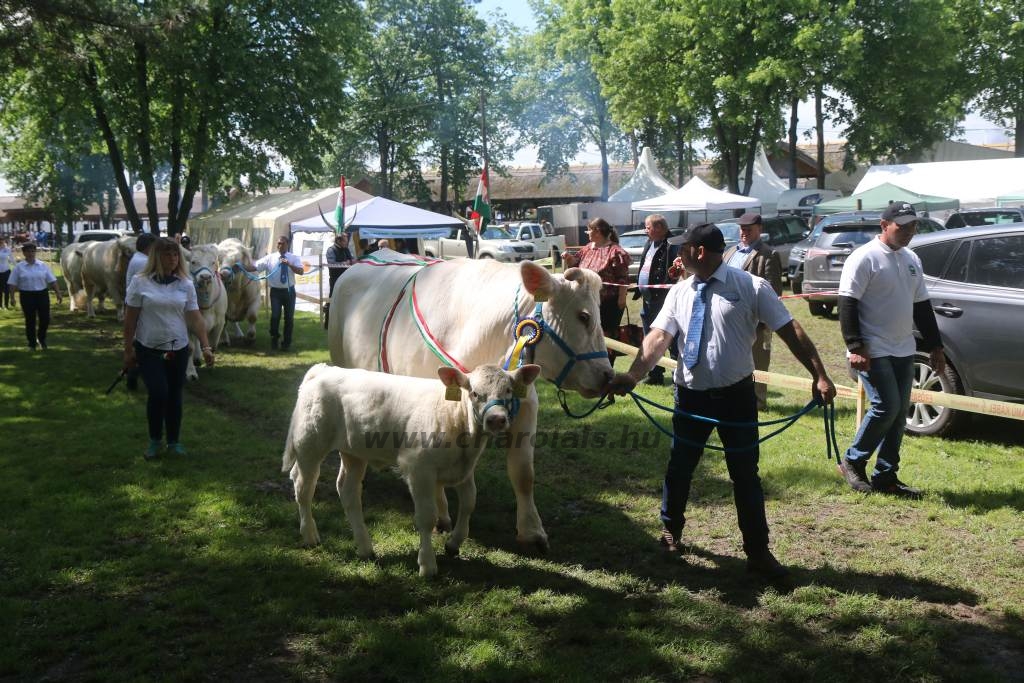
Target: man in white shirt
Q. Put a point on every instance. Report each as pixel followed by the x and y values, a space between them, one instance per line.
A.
pixel 715 314
pixel 143 243
pixel 281 269
pixel 31 278
pixel 881 296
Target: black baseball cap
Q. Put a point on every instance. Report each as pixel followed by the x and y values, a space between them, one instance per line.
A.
pixel 28 245
pixel 705 235
pixel 749 218
pixel 899 213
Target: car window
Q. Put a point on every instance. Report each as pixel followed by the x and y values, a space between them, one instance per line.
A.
pixel 934 256
pixel 975 218
pixel 997 261
pixel 632 241
pixel 926 225
pixel 957 270
pixel 794 226
pixel 955 221
pixel 835 235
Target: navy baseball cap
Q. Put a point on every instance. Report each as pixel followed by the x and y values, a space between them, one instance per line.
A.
pixel 705 235
pixel 899 213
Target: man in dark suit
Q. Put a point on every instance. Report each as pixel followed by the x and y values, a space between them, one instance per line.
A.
pixel 655 269
pixel 757 258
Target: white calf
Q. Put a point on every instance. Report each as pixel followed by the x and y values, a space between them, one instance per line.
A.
pixel 403 422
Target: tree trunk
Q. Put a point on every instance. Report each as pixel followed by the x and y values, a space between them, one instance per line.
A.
pixel 1018 131
pixel 793 104
pixel 819 127
pixel 143 140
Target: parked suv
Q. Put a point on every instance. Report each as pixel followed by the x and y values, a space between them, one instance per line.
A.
pixel 824 261
pixel 975 278
pixel 976 217
pixel 780 232
pixel 95 236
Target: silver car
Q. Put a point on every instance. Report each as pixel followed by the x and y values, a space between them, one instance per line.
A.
pixel 975 278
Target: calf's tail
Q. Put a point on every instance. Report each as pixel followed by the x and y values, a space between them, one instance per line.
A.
pixel 289 456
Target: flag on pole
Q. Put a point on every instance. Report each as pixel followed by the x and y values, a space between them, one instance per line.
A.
pixel 339 209
pixel 482 204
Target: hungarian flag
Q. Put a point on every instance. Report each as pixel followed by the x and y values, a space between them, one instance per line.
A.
pixel 482 204
pixel 339 209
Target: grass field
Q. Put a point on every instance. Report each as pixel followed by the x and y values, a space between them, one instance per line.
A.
pixel 114 568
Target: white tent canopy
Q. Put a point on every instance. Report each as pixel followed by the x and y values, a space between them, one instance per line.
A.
pixel 381 218
pixel 974 183
pixel 646 182
pixel 766 184
pixel 696 195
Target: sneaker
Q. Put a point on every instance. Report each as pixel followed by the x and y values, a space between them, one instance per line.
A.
pixel 765 564
pixel 152 451
pixel 42 345
pixel 176 447
pixel 855 476
pixel 670 542
pixel 892 486
pixel 273 343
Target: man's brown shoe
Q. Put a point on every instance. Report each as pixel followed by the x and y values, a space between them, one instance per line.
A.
pixel 855 476
pixel 894 487
pixel 670 542
pixel 765 564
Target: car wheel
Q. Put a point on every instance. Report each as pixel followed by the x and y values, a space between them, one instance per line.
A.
pixel 925 419
pixel 817 308
pixel 428 254
pixel 486 256
pixel 797 285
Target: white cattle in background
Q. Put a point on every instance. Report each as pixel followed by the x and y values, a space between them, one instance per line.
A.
pixel 243 291
pixel 104 265
pixel 466 308
pixel 204 267
pixel 71 262
pixel 389 421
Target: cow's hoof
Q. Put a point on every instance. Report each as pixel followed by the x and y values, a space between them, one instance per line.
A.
pixel 366 554
pixel 311 543
pixel 451 549
pixel 444 525
pixel 428 572
pixel 537 544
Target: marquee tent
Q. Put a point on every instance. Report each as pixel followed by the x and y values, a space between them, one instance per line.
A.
pixel 877 198
pixel 974 183
pixel 766 184
pixel 696 195
pixel 646 182
pixel 379 218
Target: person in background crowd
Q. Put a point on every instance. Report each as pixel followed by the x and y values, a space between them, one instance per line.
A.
pixel 655 269
pixel 757 258
pixel 160 309
pixel 882 295
pixel 604 256
pixel 31 279
pixel 338 258
pixel 281 269
pixel 383 244
pixel 714 314
pixel 6 263
pixel 143 245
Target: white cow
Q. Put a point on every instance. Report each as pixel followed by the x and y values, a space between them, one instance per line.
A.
pixel 104 265
pixel 466 308
pixel 71 261
pixel 204 267
pixel 402 422
pixel 243 291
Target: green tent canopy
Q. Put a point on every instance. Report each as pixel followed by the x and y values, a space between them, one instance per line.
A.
pixel 879 197
pixel 1015 199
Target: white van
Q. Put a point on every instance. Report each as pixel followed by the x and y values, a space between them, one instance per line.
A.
pixel 801 201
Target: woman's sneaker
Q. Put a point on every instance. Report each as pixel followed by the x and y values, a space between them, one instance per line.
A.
pixel 152 451
pixel 176 448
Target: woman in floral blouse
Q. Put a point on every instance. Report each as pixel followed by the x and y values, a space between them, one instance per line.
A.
pixel 604 256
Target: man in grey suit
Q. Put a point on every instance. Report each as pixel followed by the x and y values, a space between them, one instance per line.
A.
pixel 757 258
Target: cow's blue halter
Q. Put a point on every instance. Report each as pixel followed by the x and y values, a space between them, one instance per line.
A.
pixel 545 328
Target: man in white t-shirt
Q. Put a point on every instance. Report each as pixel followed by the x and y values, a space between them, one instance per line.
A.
pixel 715 314
pixel 281 268
pixel 882 296
pixel 143 243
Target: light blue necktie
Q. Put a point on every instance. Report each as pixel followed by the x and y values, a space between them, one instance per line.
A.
pixel 691 352
pixel 284 273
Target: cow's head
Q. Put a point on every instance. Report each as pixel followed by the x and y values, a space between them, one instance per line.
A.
pixel 203 265
pixel 492 394
pixel 572 312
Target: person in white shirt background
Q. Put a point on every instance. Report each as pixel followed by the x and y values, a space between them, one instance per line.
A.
pixel 282 267
pixel 6 263
pixel 31 279
pixel 138 261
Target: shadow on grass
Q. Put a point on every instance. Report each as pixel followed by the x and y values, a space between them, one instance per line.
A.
pixel 984 500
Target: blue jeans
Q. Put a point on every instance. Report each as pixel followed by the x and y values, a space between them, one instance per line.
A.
pixel 735 403
pixel 281 298
pixel 887 383
pixel 163 373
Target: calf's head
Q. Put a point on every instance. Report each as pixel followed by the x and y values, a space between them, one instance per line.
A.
pixel 492 393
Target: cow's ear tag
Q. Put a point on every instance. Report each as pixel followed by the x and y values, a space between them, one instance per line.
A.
pixel 519 390
pixel 452 392
pixel 540 296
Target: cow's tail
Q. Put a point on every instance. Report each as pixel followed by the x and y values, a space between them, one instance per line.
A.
pixel 289 457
